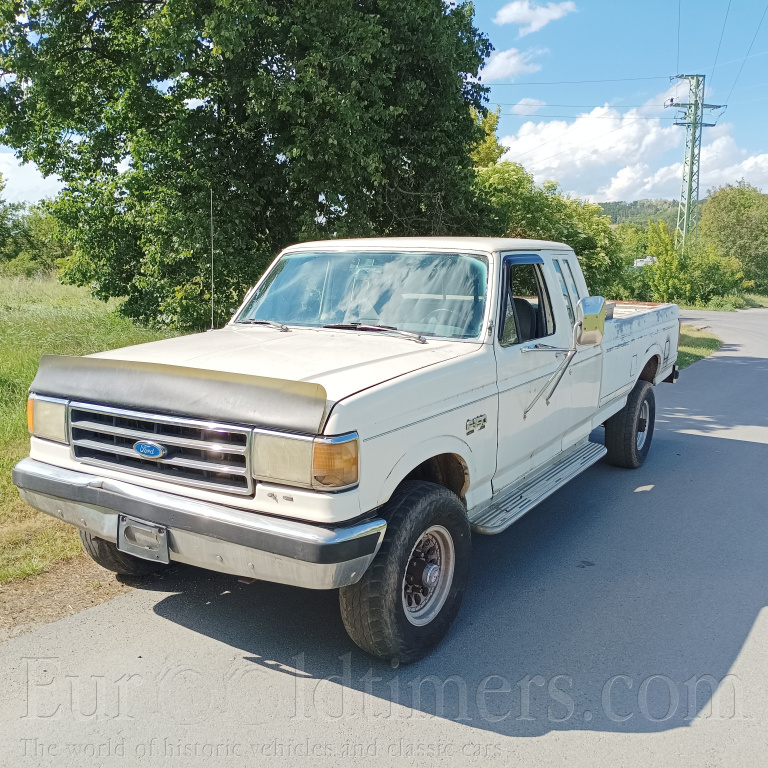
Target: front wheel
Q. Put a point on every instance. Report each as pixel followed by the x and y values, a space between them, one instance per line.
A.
pixel 408 598
pixel 108 556
pixel 629 432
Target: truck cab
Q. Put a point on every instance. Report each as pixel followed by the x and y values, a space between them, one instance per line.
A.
pixel 371 404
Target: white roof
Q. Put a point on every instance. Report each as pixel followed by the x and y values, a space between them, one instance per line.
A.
pixel 484 244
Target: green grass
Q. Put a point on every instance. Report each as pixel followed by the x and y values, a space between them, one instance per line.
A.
pixel 695 345
pixel 756 300
pixel 39 316
pixel 731 303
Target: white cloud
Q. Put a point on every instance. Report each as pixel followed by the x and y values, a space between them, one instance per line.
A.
pixel 611 154
pixel 25 183
pixel 606 153
pixel 532 17
pixel 510 63
pixel 528 106
pixel 722 162
pixel 604 137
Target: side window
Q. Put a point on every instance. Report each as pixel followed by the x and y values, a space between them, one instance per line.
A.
pixel 571 280
pixel 564 288
pixel 528 310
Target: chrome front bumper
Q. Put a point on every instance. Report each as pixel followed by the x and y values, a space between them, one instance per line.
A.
pixel 210 536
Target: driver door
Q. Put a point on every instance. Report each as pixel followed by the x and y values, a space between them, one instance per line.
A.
pixel 528 317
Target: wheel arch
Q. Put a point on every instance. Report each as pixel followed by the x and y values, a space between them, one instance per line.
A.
pixel 652 364
pixel 445 460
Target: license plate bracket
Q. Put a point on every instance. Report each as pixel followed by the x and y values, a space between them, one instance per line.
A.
pixel 141 539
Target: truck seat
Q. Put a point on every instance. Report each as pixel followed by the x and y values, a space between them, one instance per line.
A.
pixel 526 320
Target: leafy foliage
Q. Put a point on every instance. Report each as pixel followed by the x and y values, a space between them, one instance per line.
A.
pixel 695 276
pixel 729 256
pixel 489 150
pixel 31 241
pixel 522 208
pixel 734 223
pixel 640 212
pixel 306 120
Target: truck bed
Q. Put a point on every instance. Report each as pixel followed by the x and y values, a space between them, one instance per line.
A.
pixel 635 334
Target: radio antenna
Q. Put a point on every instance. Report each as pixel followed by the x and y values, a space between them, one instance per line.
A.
pixel 212 258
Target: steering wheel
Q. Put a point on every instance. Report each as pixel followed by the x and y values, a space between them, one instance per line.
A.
pixel 442 309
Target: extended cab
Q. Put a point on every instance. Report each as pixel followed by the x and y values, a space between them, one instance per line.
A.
pixel 370 403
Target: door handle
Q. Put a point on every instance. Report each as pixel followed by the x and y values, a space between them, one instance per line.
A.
pixel 545 348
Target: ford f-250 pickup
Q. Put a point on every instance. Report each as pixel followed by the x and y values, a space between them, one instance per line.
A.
pixel 369 405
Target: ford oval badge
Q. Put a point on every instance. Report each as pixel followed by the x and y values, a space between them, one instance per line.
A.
pixel 149 450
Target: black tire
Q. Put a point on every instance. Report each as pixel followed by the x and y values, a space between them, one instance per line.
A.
pixel 108 556
pixel 373 609
pixel 623 429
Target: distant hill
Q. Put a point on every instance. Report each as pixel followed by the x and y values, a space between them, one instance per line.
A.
pixel 642 211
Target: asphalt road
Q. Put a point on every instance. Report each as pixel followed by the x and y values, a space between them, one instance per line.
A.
pixel 594 632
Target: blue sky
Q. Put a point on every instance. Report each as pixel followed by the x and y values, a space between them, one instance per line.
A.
pixel 607 145
pixel 606 140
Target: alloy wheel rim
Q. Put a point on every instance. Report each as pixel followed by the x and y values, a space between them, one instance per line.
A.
pixel 642 425
pixel 428 575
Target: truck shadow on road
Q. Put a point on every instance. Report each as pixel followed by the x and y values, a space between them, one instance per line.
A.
pixel 619 604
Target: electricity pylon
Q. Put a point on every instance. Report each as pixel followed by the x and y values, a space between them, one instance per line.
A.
pixel 692 118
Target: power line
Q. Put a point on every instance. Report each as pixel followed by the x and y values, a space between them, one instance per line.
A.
pixel 574 82
pixel 760 24
pixel 593 117
pixel 736 61
pixel 577 106
pixel 720 42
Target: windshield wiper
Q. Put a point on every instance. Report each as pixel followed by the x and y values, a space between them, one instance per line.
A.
pixel 270 323
pixel 386 329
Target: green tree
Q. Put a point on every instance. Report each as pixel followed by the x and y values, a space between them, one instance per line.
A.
pixel 306 120
pixel 489 150
pixel 734 221
pixel 633 241
pixel 522 208
pixel 36 244
pixel 666 276
pixel 694 276
pixel 8 213
pixel 640 212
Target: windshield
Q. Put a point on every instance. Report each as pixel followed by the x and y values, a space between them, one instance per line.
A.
pixel 435 294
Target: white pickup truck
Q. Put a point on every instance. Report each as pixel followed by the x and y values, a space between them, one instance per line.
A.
pixel 370 403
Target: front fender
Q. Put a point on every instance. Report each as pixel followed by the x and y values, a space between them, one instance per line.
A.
pixel 420 453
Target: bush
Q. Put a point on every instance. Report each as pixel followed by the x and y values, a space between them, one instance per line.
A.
pixel 632 285
pixel 725 303
pixel 698 276
pixel 23 265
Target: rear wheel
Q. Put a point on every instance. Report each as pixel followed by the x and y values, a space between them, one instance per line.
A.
pixel 628 433
pixel 108 556
pixel 409 596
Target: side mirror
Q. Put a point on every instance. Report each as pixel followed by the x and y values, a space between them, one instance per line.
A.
pixel 590 321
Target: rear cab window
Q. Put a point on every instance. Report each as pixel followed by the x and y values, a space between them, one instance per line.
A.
pixel 564 289
pixel 571 280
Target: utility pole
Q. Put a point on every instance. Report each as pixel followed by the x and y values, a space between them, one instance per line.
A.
pixel 692 118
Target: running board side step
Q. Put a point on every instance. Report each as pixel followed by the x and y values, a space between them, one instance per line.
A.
pixel 513 504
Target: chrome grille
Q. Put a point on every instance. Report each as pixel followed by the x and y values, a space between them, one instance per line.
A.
pixel 200 454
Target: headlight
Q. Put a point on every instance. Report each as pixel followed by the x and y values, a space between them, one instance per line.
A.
pixel 323 463
pixel 47 418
